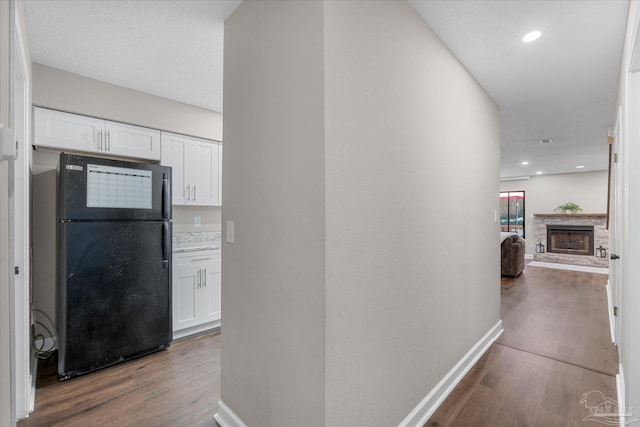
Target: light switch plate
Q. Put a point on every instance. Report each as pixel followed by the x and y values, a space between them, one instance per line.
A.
pixel 197 221
pixel 8 143
pixel 230 232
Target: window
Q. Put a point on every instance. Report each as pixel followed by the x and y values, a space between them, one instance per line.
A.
pixel 512 212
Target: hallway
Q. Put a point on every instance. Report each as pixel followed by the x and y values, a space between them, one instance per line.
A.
pixel 556 347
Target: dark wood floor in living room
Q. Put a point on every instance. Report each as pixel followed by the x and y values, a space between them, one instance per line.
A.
pixel 556 346
pixel 179 386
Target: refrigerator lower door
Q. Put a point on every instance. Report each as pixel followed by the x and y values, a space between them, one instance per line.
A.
pixel 114 293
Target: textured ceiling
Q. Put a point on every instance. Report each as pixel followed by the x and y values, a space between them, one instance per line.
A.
pixel 562 86
pixel 171 48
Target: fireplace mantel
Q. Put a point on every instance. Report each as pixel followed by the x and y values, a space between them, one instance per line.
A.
pixel 570 215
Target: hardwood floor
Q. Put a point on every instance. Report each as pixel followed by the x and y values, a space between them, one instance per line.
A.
pixel 556 346
pixel 179 386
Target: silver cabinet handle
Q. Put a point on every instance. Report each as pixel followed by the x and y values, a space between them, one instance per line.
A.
pixel 194 193
pixel 199 278
pixel 200 259
pixel 189 193
pixel 108 141
pixel 205 278
pixel 100 140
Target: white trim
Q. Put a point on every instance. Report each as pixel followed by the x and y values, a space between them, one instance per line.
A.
pixel 181 333
pixel 225 417
pixel 558 266
pixel 32 397
pixel 620 393
pixel 611 317
pixel 421 413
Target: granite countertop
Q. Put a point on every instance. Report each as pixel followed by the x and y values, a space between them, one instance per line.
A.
pixel 192 242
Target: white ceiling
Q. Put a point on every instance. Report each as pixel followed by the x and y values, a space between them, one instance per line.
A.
pixel 172 49
pixel 562 86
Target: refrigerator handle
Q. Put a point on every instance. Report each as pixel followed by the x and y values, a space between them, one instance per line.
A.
pixel 166 197
pixel 166 247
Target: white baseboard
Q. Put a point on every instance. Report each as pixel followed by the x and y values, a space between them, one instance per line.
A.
pixel 425 409
pixel 621 393
pixel 181 333
pixel 225 417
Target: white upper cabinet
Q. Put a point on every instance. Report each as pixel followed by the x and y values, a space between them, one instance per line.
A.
pixel 133 141
pixel 196 165
pixel 66 131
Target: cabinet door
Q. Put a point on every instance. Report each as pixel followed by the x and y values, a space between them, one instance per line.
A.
pixel 206 180
pixel 174 152
pixel 67 131
pixel 211 296
pixel 132 141
pixel 186 294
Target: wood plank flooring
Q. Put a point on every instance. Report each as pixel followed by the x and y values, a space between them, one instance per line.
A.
pixel 556 346
pixel 179 386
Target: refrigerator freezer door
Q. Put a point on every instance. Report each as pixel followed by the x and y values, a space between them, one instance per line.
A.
pixel 114 293
pixel 93 188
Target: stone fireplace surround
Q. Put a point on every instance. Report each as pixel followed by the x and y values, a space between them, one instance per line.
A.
pixel 601 237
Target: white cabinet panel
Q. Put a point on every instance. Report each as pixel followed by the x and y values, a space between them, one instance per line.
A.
pixel 184 299
pixel 66 131
pixel 132 141
pixel 174 151
pixel 196 169
pixel 196 291
pixel 56 129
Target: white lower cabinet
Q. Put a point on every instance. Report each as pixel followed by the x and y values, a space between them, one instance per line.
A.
pixel 196 292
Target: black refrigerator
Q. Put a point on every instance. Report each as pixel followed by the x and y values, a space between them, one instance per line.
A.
pixel 114 262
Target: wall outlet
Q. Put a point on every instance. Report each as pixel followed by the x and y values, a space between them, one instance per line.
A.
pixel 197 221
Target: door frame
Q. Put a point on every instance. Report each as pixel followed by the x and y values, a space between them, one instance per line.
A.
pixel 19 119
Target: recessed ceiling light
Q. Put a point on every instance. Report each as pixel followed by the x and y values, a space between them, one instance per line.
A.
pixel 579 167
pixel 533 35
pixel 524 163
pixel 539 173
pixel 546 141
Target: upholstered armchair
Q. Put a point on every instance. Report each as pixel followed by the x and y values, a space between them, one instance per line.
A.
pixel 512 256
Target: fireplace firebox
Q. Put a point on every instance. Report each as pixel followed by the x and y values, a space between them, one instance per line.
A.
pixel 570 239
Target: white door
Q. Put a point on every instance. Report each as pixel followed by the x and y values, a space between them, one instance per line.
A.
pixel 211 297
pixel 205 189
pixel 174 154
pixel 615 230
pixel 186 287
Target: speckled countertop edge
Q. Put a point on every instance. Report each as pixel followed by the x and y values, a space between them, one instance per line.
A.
pixel 192 242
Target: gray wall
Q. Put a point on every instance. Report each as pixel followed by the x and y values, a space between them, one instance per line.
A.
pixel 546 192
pixel 365 278
pixel 73 93
pixel 412 158
pixel 273 186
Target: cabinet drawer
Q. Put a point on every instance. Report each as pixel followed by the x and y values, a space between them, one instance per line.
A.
pixel 190 259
